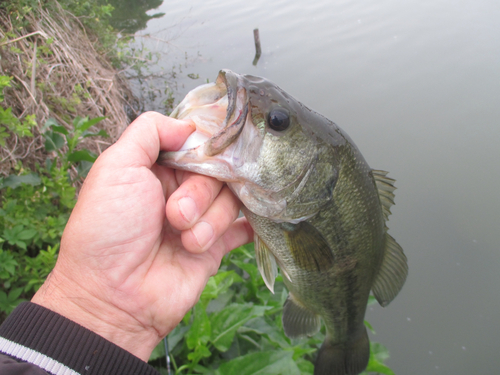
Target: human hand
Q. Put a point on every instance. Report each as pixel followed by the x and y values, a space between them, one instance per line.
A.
pixel 124 271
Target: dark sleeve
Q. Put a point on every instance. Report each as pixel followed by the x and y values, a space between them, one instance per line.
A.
pixel 33 338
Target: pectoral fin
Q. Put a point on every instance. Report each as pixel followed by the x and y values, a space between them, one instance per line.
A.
pixel 266 263
pixel 298 320
pixel 309 248
pixel 392 273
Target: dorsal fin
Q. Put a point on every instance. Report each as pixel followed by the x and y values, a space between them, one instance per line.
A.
pixel 385 187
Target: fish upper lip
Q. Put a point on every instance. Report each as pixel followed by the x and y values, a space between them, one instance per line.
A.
pixel 228 131
pixel 236 114
pixel 231 81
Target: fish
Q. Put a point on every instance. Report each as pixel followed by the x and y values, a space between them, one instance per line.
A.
pixel 318 211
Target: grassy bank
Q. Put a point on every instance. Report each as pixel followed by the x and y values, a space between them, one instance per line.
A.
pixel 53 66
pixel 62 102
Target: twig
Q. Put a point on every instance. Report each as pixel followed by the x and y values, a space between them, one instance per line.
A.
pixel 258 50
pixel 25 36
pixel 26 87
pixel 33 72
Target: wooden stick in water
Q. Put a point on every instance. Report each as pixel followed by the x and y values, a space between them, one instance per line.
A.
pixel 258 51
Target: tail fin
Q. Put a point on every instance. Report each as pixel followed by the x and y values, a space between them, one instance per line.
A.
pixel 343 359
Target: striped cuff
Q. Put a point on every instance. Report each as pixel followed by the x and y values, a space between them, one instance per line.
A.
pixel 28 355
pixel 60 346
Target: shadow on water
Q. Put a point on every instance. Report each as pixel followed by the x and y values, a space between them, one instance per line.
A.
pixel 130 16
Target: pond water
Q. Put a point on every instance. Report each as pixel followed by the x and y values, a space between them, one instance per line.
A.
pixel 416 84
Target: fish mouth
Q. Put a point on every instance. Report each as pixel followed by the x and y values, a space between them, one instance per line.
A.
pixel 219 111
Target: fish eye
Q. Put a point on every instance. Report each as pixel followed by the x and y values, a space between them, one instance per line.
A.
pixel 278 119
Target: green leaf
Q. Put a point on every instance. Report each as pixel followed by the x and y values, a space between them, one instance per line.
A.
pixel 53 141
pixel 200 331
pixel 379 368
pixel 83 168
pixel 14 294
pixel 60 129
pixel 7 265
pixel 250 268
pixel 201 352
pixel 100 133
pixel 226 322
pixel 48 124
pixel 81 155
pixel 82 124
pixel 219 284
pixel 261 363
pixel 305 367
pixel 14 181
pixel 263 326
pixel 158 352
pixel 9 302
pixel 176 336
pixel 27 234
pixel 378 354
pixel 370 327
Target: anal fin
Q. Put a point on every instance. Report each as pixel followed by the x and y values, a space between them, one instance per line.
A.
pixel 298 320
pixel 392 274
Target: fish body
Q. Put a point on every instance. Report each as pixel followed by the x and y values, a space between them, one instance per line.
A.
pixel 318 210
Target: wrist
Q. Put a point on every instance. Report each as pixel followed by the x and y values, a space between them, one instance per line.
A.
pixel 79 304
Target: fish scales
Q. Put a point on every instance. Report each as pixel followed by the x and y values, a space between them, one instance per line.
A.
pixel 317 209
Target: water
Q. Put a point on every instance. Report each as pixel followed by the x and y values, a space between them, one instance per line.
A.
pixel 416 84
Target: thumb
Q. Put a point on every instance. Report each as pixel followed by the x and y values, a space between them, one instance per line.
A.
pixel 142 141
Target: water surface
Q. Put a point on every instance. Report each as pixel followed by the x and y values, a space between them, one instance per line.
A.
pixel 416 84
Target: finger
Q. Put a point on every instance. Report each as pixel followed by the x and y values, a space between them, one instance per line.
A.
pixel 193 198
pixel 239 233
pixel 166 176
pixel 142 141
pixel 212 225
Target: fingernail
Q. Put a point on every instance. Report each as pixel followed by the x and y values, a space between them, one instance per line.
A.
pixel 187 207
pixel 203 233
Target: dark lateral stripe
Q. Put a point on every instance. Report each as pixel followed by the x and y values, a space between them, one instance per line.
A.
pixel 66 342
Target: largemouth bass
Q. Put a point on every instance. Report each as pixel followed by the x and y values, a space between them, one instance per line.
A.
pixel 318 210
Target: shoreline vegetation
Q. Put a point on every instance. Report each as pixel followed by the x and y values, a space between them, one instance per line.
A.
pixel 64 98
pixel 55 67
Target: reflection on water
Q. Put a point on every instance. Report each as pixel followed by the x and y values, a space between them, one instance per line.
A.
pixel 130 16
pixel 417 86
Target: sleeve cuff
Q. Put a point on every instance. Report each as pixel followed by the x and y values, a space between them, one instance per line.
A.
pixel 34 332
